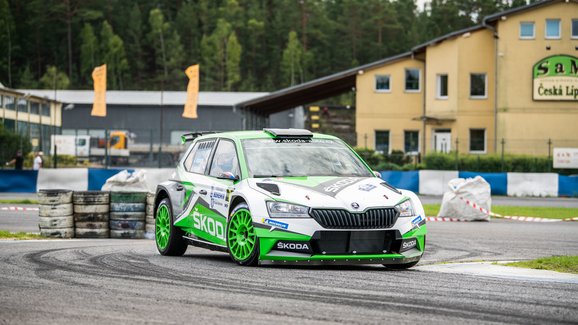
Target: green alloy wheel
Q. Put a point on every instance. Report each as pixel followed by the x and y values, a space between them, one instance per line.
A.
pixel 169 238
pixel 241 238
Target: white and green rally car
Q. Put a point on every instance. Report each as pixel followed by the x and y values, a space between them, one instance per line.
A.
pixel 286 196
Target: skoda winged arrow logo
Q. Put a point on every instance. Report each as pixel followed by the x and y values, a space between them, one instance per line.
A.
pixel 355 205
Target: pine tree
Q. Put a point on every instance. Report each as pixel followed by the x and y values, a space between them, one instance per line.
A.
pixel 88 53
pixel 233 62
pixel 292 63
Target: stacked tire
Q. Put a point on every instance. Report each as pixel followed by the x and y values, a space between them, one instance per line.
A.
pixel 55 212
pixel 150 216
pixel 91 214
pixel 127 214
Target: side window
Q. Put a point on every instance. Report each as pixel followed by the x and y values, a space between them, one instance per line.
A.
pixel 189 160
pixel 200 157
pixel 225 162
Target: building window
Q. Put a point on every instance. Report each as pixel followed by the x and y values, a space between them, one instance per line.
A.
pixel 478 140
pixel 574 28
pixel 45 109
pixel 478 85
pixel 382 83
pixel 382 141
pixel 23 105
pixel 442 86
pixel 411 141
pixel 553 28
pixel 34 108
pixel 527 30
pixel 412 77
pixel 9 103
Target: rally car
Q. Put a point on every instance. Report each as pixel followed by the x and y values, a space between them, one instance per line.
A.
pixel 286 196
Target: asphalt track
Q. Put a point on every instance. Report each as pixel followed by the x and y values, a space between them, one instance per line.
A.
pixel 127 281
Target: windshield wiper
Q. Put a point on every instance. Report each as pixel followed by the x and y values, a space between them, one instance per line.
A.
pixel 265 176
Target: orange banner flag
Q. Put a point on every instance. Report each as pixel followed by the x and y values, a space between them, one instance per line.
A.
pixel 192 92
pixel 99 103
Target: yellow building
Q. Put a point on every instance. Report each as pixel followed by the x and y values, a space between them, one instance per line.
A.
pixel 510 83
pixel 34 117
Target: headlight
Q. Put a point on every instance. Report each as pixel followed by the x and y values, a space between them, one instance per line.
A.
pixel 287 210
pixel 405 209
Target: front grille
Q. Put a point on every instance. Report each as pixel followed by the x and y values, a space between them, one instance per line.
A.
pixel 342 219
pixel 339 242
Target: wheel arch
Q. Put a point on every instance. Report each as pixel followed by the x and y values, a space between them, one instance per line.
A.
pixel 236 200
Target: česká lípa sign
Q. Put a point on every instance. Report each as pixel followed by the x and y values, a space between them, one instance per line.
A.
pixel 556 78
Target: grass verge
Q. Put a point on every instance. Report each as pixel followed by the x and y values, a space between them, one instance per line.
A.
pixel 25 201
pixel 18 235
pixel 566 264
pixel 539 212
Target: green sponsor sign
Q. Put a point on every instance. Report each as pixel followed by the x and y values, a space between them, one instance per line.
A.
pixel 556 78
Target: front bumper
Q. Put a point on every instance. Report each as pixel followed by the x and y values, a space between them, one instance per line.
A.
pixel 385 246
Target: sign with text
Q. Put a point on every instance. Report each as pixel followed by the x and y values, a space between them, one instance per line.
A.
pixel 565 157
pixel 556 78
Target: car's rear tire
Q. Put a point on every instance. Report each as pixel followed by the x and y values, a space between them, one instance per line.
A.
pixel 169 239
pixel 401 266
pixel 242 239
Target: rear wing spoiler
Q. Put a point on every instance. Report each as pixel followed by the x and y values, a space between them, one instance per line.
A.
pixel 188 137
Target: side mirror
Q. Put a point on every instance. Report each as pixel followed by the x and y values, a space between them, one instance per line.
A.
pixel 377 174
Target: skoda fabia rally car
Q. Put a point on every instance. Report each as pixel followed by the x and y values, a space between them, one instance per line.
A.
pixel 286 196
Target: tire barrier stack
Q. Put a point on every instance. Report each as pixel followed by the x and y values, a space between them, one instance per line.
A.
pixel 150 216
pixel 127 214
pixel 91 214
pixel 55 211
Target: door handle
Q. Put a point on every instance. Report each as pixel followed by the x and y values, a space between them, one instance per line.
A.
pixel 203 192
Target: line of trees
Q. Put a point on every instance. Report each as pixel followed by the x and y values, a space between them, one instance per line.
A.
pixel 242 45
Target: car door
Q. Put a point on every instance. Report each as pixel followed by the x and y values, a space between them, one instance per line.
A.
pixel 223 172
pixel 201 219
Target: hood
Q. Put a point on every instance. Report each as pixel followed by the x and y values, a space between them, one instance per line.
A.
pixel 355 194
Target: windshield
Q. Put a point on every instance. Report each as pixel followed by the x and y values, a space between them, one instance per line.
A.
pixel 315 157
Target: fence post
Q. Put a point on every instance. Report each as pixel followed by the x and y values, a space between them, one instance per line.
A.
pixel 549 154
pixel 457 154
pixel 106 156
pixel 503 144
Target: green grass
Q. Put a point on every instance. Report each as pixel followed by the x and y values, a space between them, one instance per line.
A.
pixel 18 235
pixel 540 212
pixel 24 201
pixel 566 264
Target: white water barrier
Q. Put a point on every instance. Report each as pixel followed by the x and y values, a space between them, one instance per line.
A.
pixel 532 184
pixel 75 179
pixel 435 182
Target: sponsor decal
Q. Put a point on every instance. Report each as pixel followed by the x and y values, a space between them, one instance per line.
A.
pixel 416 221
pixel 275 223
pixel 340 184
pixel 293 246
pixel 556 78
pixel 292 140
pixel 228 197
pixel 335 186
pixel 208 225
pixel 366 187
pixel 408 244
pixel 217 196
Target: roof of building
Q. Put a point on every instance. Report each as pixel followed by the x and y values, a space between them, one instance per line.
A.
pixel 344 81
pixel 499 15
pixel 131 97
pixel 313 90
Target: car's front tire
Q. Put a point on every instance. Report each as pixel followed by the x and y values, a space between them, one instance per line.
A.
pixel 242 240
pixel 169 239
